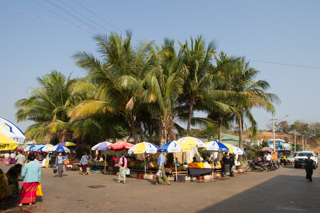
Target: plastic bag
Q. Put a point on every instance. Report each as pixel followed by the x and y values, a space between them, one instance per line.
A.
pixel 127 171
pixel 232 169
pixel 159 174
pixel 39 191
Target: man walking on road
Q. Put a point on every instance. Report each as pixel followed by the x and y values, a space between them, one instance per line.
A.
pixel 20 159
pixel 163 177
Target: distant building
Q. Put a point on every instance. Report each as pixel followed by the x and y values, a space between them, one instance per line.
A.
pixel 280 143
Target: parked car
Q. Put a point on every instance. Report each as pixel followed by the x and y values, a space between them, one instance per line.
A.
pixel 302 156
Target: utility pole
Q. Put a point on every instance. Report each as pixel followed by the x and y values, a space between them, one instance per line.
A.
pixel 306 144
pixel 274 143
pixel 295 141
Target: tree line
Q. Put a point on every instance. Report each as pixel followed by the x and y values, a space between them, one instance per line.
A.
pixel 144 91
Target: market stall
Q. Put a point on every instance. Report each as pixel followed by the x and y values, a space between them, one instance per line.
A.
pixel 174 147
pixel 103 146
pixel 7 143
pixel 144 148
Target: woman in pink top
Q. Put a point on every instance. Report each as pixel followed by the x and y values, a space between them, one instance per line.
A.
pixel 122 169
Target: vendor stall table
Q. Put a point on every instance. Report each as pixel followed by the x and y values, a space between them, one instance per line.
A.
pixel 197 171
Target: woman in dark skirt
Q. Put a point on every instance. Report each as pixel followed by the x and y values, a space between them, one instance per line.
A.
pixel 309 165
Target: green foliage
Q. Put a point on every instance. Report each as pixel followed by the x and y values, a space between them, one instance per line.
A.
pixel 265 144
pixel 205 155
pixel 80 151
pixel 298 147
pixel 250 155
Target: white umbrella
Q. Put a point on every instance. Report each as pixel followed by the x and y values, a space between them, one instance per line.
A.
pixel 102 146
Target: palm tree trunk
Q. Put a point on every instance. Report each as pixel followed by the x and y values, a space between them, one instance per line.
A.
pixel 190 117
pixel 140 129
pixel 133 132
pixel 163 132
pixel 240 134
pixel 220 128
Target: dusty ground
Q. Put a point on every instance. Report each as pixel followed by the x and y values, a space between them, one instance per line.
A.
pixel 283 190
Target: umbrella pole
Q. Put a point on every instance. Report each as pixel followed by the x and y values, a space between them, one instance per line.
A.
pixel 175 163
pixel 145 169
pixel 105 161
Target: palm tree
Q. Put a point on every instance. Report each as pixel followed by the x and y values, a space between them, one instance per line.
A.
pixel 166 80
pixel 116 82
pixel 47 107
pixel 251 94
pixel 200 82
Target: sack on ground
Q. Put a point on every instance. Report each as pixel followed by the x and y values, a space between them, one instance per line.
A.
pixel 159 174
pixel 39 191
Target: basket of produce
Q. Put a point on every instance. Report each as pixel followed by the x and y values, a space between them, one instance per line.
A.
pixel 66 162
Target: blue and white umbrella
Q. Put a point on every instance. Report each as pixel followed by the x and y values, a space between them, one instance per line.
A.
pixel 29 148
pixel 37 148
pixel 101 146
pixel 216 146
pixel 46 148
pixel 173 147
pixel 58 148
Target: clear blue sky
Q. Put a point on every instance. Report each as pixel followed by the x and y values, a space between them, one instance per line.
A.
pixel 285 32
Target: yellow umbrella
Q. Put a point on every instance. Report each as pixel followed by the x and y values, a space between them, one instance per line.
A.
pixel 7 143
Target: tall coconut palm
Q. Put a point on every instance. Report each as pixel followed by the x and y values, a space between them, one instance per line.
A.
pixel 200 82
pixel 166 81
pixel 47 107
pixel 251 94
pixel 116 81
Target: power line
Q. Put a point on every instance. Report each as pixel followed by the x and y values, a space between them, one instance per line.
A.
pixel 70 14
pixel 86 29
pixel 97 16
pixel 70 24
pixel 83 16
pixel 47 18
pixel 293 65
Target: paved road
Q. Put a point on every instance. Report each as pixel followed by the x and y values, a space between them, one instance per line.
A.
pixel 283 190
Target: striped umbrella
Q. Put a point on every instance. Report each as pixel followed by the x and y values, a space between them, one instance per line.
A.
pixel 58 148
pixel 37 148
pixel 46 148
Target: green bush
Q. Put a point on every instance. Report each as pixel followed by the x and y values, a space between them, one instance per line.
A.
pixel 250 155
pixel 80 151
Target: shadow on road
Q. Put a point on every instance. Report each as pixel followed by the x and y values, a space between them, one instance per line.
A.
pixel 282 193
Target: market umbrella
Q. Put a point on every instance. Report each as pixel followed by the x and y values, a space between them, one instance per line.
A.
pixel 173 147
pixel 29 148
pixel 68 144
pixel 37 148
pixel 102 146
pixel 58 148
pixel 46 148
pixel 120 145
pixel 142 148
pixel 235 150
pixel 191 141
pixel 267 149
pixel 7 143
pixel 21 148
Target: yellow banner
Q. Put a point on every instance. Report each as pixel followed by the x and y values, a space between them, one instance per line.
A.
pixel 274 156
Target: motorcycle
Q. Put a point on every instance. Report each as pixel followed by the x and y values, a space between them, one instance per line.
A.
pixel 256 165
